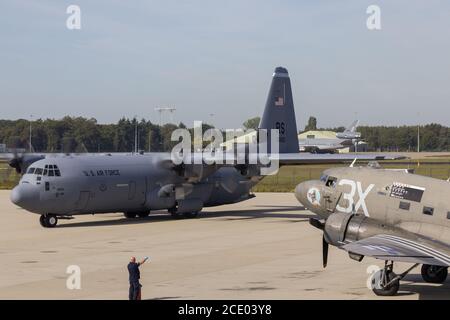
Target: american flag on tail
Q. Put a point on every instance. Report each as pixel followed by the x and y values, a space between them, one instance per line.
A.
pixel 279 101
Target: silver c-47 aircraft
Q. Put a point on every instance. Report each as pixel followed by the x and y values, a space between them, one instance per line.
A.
pixel 386 214
pixel 61 186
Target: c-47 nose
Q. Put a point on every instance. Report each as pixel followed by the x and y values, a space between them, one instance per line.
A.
pixel 300 192
pixel 25 196
pixel 308 193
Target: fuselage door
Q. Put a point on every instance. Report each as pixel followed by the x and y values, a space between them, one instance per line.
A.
pixel 131 190
pixel 82 201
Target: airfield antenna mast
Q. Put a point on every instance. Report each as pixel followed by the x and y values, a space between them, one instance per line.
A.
pixel 418 138
pixel 31 120
pixel 418 133
pixel 165 109
pixel 135 135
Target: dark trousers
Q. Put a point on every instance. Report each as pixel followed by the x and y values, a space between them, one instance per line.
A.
pixel 135 287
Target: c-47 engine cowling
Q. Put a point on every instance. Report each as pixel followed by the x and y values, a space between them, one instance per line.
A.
pixel 341 228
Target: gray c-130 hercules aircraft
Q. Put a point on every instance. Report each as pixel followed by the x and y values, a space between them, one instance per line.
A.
pixel 63 186
pixel 386 214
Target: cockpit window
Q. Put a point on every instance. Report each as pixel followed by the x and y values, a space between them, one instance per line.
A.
pixel 323 177
pixel 31 170
pixel 331 182
pixel 38 171
pixel 51 170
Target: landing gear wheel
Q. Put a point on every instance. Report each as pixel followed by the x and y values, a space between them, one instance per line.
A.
pixel 175 214
pixel 129 215
pixel 190 215
pixel 143 214
pixel 382 284
pixel 48 220
pixel 390 290
pixel 42 221
pixel 434 274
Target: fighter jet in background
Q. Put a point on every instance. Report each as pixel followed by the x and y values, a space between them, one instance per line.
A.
pixel 348 138
pixel 386 214
pixel 63 186
pixel 350 132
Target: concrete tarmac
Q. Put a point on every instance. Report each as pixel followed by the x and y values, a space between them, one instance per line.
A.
pixel 263 248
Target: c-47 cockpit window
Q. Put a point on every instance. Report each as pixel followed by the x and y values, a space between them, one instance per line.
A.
pixel 31 170
pixel 323 178
pixel 331 182
pixel 38 171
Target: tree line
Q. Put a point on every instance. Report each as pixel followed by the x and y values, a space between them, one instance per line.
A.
pixel 78 134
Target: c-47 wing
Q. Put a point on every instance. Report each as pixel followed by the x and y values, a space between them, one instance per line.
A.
pixel 395 248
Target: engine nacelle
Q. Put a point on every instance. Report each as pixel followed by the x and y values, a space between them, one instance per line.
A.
pixel 342 227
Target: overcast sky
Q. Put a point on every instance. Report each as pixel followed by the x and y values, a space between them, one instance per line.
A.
pixel 217 57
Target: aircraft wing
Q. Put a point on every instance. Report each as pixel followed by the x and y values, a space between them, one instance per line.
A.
pixel 196 166
pixel 395 248
pixel 6 156
pixel 230 159
pixel 311 158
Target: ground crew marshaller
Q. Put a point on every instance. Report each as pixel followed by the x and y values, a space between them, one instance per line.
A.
pixel 135 275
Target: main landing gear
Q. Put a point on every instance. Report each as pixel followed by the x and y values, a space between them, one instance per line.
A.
pixel 385 282
pixel 140 214
pixel 187 215
pixel 434 274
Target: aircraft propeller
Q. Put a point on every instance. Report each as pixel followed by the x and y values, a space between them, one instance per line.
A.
pixel 16 162
pixel 325 246
pixel 20 162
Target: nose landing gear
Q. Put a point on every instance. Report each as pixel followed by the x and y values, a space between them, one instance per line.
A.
pixel 48 220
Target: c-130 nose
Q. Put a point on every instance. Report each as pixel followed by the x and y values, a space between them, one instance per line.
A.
pixel 25 196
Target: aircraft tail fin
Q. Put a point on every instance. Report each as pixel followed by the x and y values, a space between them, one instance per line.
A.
pixel 352 128
pixel 279 112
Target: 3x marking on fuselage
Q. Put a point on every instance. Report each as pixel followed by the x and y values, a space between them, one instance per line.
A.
pixel 354 195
